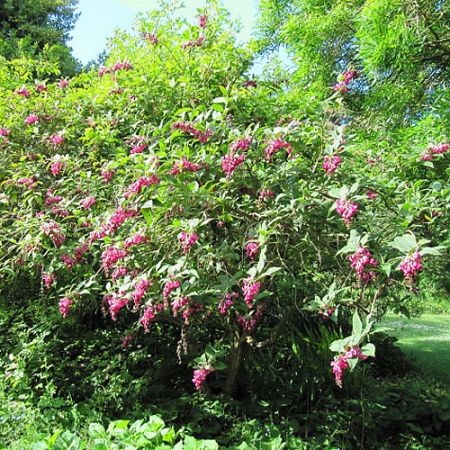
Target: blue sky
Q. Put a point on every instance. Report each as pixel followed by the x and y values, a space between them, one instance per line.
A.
pixel 99 18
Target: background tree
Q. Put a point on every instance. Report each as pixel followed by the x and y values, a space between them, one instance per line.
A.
pixel 28 27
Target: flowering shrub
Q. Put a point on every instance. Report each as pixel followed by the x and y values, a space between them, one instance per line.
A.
pixel 150 206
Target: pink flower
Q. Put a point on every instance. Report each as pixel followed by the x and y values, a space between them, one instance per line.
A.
pixel 88 202
pixel 349 75
pixel 249 324
pixel 187 240
pixel 277 145
pixel 151 37
pixel 252 250
pixel 41 88
pixel 56 140
pixel 27 182
pixel 122 66
pixel 118 218
pixel 24 92
pixel 4 132
pixel 340 364
pixel 119 272
pixel 52 230
pixel 200 377
pixel 250 289
pixel 126 341
pixel 341 87
pixel 202 20
pixel 194 43
pixel 439 149
pixel 51 199
pixel 103 71
pixel 326 312
pixel 411 265
pixel 188 128
pixel 65 305
pixel 107 175
pixel 331 163
pixel 169 287
pixel 226 303
pixel 147 318
pixel 371 195
pixel 361 261
pixel 241 144
pixel 56 168
pixel 139 291
pixel 116 302
pixel 346 209
pixel 185 166
pixel 63 83
pixel 111 255
pixel 265 194
pixel 231 162
pixel 138 185
pixel 31 119
pixel 48 279
pixel 138 148
pixel 136 239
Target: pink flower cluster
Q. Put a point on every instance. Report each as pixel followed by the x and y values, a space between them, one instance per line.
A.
pixel 65 305
pixel 188 128
pixel 331 163
pixel 187 240
pixel 139 291
pixel 202 21
pixel 148 316
pixel 111 255
pixel 68 261
pixel 277 145
pixel 116 68
pixel 53 231
pixel 266 193
pixel 227 302
pixel 434 150
pixel 411 265
pixel 184 165
pixel 56 167
pixel 371 195
pixel 56 140
pixel 151 37
pixel 88 202
pixel 194 43
pixel 252 250
pixel 326 312
pixel 187 308
pixel 115 303
pixel 168 288
pixel 139 184
pixel 51 199
pixel 362 261
pixel 63 83
pixel 241 144
pixel 231 161
pixel 119 272
pixel 24 92
pixel 135 239
pixel 200 376
pixel 107 175
pixel 340 364
pixel 27 182
pixel 31 119
pixel 250 289
pixel 346 78
pixel 48 279
pixel 41 88
pixel 249 324
pixel 4 132
pixel 346 209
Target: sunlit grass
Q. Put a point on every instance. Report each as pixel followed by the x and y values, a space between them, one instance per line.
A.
pixel 425 340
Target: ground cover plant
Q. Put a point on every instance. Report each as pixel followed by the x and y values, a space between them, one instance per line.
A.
pixel 171 227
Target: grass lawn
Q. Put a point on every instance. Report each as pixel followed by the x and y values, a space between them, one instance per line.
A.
pixel 425 340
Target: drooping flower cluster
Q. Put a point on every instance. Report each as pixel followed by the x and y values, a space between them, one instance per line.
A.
pixel 107 175
pixel 227 302
pixel 340 363
pixel 31 119
pixel 41 88
pixel 200 377
pixel 63 83
pixel 241 144
pixel 266 193
pixel 187 240
pixel 344 80
pixel 411 265
pixel 326 312
pixel 135 239
pixel 346 209
pixel 119 272
pixel 184 165
pixel 28 182
pixel 168 288
pixel 250 289
pixel 362 261
pixel 277 145
pixel 432 151
pixel 48 279
pixel 371 195
pixel 116 302
pixel 151 38
pixel 4 132
pixel 187 308
pixel 56 140
pixel 118 66
pixel 88 202
pixel 331 163
pixel 139 184
pixel 65 305
pixel 252 250
pixel 50 198
pixel 57 167
pixel 111 255
pixel 194 42
pixel 231 161
pixel 202 21
pixel 248 324
pixel 148 316
pixel 188 128
pixel 139 291
pixel 53 231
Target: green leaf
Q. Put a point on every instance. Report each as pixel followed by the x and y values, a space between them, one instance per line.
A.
pixel 368 349
pixel 357 324
pixel 405 243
